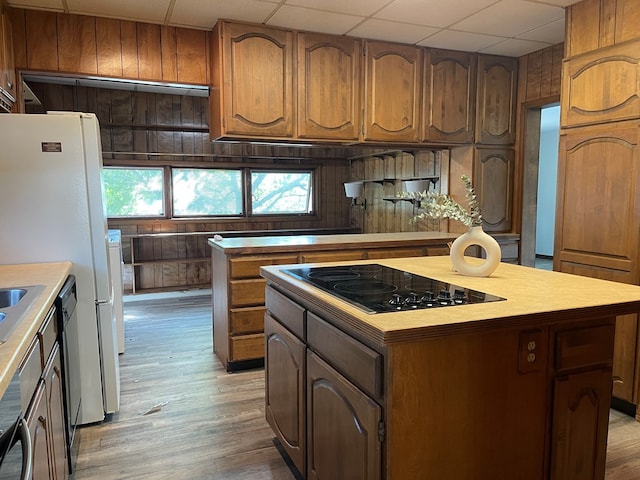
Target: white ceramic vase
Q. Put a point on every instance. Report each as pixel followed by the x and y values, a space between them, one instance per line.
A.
pixel 475 236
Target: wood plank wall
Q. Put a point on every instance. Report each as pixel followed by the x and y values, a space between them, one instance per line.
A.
pixel 80 44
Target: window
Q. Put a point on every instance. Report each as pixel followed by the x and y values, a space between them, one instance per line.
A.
pixel 206 192
pixel 134 192
pixel 281 193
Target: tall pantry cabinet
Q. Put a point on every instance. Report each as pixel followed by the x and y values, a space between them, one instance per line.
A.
pixel 598 200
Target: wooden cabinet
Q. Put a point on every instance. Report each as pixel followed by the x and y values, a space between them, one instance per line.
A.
pixel 493 184
pixel 253 81
pixel 38 423
pixel 393 92
pixel 55 397
pixel 496 100
pixel 449 96
pixel 601 86
pixel 331 256
pixel 7 63
pixel 328 83
pixel 625 355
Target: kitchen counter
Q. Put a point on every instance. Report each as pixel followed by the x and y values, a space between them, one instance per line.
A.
pixel 532 296
pixel 52 276
pixel 518 388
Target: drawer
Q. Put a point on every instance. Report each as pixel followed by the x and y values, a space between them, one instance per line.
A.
pixel 584 347
pixel 357 362
pixel 437 250
pixel 249 267
pixel 246 320
pixel 394 253
pixel 334 256
pixel 247 347
pixel 30 373
pixel 48 334
pixel 287 312
pixel 247 292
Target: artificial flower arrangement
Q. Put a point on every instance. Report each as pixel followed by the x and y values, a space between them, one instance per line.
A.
pixel 438 205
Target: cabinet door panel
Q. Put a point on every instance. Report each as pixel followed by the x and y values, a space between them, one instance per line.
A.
pixel 285 363
pixel 624 356
pixel 342 426
pixel 38 423
pixel 493 184
pixel 580 422
pixel 55 393
pixel 497 89
pixel 449 96
pixel 328 87
pixel 393 82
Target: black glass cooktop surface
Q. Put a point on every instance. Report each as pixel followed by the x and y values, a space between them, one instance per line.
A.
pixel 379 289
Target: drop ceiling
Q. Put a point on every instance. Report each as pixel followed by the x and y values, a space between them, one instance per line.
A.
pixel 500 27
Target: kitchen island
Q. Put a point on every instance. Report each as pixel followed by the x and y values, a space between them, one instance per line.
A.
pixel 516 388
pixel 238 290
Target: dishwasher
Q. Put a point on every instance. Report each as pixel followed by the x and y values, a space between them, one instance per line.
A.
pixel 70 348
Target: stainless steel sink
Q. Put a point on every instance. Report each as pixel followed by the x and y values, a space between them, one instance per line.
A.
pixel 11 296
pixel 14 302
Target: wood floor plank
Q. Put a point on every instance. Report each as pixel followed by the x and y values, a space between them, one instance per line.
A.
pixel 183 416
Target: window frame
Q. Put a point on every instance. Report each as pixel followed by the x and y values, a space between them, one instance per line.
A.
pixel 312 186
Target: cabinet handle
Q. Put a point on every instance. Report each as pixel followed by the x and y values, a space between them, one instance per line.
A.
pixel 617 379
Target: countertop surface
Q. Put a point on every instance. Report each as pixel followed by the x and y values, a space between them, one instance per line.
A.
pixel 532 296
pixel 309 242
pixel 51 276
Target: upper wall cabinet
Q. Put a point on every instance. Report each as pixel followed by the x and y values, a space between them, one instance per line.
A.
pixel 328 86
pixel 393 85
pixel 449 96
pixel 601 86
pixel 7 64
pixel 253 81
pixel 496 106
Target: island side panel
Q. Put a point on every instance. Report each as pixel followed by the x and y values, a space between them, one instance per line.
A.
pixel 465 407
pixel 220 300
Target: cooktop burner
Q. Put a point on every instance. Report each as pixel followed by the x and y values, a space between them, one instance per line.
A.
pixel 379 289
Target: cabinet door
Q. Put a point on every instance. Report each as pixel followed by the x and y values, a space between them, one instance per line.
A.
pixel 38 422
pixel 342 426
pixel 449 96
pixel 8 63
pixel 55 392
pixel 253 81
pixel 496 108
pixel 493 184
pixel 580 422
pixel 328 87
pixel 393 84
pixel 601 86
pixel 598 166
pixel 624 357
pixel 285 389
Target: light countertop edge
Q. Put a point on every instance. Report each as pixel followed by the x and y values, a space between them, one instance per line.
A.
pixel 52 276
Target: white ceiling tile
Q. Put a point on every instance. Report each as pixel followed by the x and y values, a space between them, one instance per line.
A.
pixel 514 47
pixel 467 42
pixel 435 13
pixel 39 4
pixel 509 18
pixel 205 13
pixel 152 11
pixel 313 20
pixel 391 31
pixel 550 33
pixel 362 8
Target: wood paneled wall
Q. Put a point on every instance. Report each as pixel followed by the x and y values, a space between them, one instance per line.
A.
pixel 81 44
pixel 540 74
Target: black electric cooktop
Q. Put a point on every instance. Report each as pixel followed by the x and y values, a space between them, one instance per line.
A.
pixel 378 289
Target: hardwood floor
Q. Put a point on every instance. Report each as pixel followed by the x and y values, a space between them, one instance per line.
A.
pixel 182 416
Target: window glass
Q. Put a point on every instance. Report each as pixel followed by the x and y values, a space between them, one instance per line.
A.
pixel 134 192
pixel 281 193
pixel 206 192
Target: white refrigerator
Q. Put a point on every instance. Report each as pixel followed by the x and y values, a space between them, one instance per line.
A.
pixel 53 210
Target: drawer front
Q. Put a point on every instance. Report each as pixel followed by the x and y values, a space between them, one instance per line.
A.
pixel 247 347
pixel 247 292
pixel 337 256
pixel 246 320
pixel 287 312
pixel 437 250
pixel 584 347
pixel 394 253
pixel 356 361
pixel 48 334
pixel 249 267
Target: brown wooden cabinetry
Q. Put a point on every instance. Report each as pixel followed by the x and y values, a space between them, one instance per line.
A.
pixel 328 86
pixel 7 63
pixel 253 81
pixel 496 100
pixel 393 92
pixel 449 96
pixel 493 184
pixel 601 86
